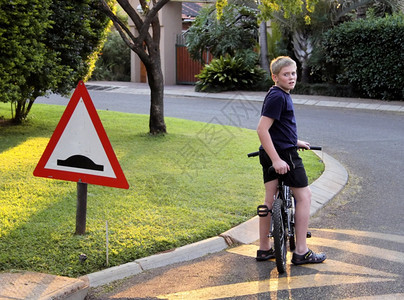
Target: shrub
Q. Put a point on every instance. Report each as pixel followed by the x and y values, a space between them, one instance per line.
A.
pixel 324 89
pixel 114 60
pixel 370 55
pixel 232 73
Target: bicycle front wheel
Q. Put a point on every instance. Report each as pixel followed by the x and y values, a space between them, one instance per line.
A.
pixel 291 221
pixel 279 235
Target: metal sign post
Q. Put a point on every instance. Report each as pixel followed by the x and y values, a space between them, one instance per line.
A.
pixel 81 212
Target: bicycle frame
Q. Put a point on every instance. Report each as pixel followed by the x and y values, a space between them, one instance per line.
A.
pixel 288 206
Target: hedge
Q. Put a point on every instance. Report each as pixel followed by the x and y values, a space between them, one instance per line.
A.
pixel 370 55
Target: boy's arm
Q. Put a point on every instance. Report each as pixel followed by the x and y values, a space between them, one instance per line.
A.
pixel 280 166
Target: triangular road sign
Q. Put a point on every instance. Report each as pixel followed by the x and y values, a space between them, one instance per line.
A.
pixel 79 149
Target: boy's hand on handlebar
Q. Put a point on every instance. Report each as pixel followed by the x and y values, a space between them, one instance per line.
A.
pixel 281 167
pixel 303 145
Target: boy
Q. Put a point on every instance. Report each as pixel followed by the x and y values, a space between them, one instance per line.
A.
pixel 278 135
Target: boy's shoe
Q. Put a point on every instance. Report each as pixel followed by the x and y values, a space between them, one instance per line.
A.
pixel 309 258
pixel 265 254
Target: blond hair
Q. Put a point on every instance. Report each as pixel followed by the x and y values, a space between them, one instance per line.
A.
pixel 278 63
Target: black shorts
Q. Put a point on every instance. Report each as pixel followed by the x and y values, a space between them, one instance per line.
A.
pixel 296 177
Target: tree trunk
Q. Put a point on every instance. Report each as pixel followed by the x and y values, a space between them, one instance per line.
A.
pixel 305 73
pixel 264 47
pixel 302 47
pixel 156 84
pixel 361 12
pixel 22 110
pixel 18 113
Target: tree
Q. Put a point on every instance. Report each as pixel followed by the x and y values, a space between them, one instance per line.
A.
pixel 22 49
pixel 78 34
pixel 236 30
pixel 231 39
pixel 112 64
pixel 305 21
pixel 268 9
pixel 46 46
pixel 147 46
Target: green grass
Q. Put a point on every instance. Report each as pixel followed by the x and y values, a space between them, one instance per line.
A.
pixel 193 183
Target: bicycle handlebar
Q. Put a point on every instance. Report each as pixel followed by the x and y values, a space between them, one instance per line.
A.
pixel 319 148
pixel 252 154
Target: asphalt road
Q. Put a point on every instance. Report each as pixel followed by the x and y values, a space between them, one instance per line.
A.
pixel 362 229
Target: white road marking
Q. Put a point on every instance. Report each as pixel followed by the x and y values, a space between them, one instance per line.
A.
pixel 329 273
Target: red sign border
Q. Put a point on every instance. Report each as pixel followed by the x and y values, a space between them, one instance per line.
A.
pixel 40 170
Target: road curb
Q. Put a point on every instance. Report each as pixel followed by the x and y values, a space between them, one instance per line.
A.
pixel 181 254
pixel 329 184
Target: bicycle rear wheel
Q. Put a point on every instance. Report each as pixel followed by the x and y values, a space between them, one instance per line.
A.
pixel 279 235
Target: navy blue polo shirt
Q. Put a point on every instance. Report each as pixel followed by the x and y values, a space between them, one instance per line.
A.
pixel 278 105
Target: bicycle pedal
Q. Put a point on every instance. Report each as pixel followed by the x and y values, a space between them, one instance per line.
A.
pixel 263 210
pixel 308 234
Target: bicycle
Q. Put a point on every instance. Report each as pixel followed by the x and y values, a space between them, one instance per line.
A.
pixel 283 219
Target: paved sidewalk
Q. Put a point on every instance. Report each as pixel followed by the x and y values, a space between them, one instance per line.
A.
pixel 33 286
pixel 30 285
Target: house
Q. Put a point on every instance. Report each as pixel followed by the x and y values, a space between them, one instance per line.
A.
pixel 189 12
pixel 175 17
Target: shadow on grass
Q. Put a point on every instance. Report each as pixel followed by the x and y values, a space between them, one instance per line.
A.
pixel 40 123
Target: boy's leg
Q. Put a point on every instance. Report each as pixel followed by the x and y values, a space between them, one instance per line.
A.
pixel 302 215
pixel 302 254
pixel 271 188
